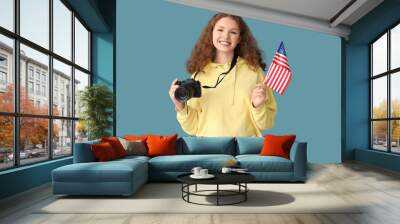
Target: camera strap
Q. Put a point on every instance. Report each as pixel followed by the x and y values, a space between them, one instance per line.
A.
pixel 223 75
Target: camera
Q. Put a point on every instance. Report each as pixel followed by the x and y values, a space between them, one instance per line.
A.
pixel 187 89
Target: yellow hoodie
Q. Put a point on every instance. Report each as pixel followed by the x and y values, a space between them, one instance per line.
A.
pixel 227 110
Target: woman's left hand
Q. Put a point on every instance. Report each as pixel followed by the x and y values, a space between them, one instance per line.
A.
pixel 259 95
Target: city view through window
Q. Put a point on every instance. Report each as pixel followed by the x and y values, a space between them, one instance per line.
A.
pixel 39 114
pixel 385 91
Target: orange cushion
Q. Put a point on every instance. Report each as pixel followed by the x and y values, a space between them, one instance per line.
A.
pixel 277 145
pixel 161 145
pixel 116 145
pixel 136 137
pixel 103 151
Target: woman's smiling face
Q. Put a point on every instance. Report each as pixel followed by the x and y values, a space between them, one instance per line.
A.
pixel 226 35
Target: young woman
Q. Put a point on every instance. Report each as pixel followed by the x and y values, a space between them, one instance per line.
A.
pixel 239 105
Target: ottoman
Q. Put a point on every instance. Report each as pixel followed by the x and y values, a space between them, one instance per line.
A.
pixel 118 177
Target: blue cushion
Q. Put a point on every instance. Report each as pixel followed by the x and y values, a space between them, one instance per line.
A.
pixel 133 157
pixel 257 163
pixel 111 171
pixel 118 177
pixel 185 163
pixel 206 145
pixel 249 145
pixel 83 153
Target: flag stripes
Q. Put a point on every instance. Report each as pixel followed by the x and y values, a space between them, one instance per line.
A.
pixel 279 73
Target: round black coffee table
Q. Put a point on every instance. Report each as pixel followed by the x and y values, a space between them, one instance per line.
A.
pixel 238 179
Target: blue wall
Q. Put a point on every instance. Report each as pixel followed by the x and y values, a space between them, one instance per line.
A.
pixel 24 178
pixel 102 58
pixel 357 72
pixel 154 40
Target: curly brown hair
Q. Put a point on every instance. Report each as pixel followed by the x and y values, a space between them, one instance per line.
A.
pixel 204 50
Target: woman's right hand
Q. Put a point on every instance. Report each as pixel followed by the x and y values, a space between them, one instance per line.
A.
pixel 178 105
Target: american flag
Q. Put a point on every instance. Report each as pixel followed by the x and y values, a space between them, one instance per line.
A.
pixel 279 74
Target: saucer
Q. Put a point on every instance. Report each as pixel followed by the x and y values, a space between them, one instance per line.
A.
pixel 208 176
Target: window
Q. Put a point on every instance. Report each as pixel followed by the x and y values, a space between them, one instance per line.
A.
pixel 44 91
pixel 35 22
pixel 55 101
pixel 7 142
pixel 385 91
pixel 38 74
pixel 62 29
pixel 62 75
pixel 3 61
pixel 6 73
pixel 7 14
pixel 30 87
pixel 3 78
pixel 3 72
pixel 43 77
pixel 44 131
pixel 38 89
pixel 81 45
pixel 81 81
pixel 30 72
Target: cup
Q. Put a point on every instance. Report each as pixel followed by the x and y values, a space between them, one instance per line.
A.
pixel 226 170
pixel 203 172
pixel 196 170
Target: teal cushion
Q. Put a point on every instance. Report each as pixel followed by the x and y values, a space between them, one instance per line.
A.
pixel 185 163
pixel 83 152
pixel 249 145
pixel 133 158
pixel 111 171
pixel 257 163
pixel 206 145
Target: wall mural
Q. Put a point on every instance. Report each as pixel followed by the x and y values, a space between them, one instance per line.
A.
pixel 228 82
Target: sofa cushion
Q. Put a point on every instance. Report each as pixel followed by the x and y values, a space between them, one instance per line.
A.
pixel 277 145
pixel 206 145
pixel 136 137
pixel 116 145
pixel 185 163
pixel 161 145
pixel 103 151
pixel 132 158
pixel 111 171
pixel 83 152
pixel 257 163
pixel 249 145
pixel 142 138
pixel 134 147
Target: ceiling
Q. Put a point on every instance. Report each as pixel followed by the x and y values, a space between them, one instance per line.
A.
pixel 333 17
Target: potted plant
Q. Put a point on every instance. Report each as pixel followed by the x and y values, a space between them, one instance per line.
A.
pixel 97 104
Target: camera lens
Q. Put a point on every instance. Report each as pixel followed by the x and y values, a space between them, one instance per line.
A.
pixel 183 94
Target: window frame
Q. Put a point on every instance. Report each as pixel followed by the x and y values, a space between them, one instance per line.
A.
pixel 388 74
pixel 16 114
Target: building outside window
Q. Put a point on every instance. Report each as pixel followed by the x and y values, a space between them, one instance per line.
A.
pixel 30 87
pixel 43 90
pixel 3 78
pixel 3 61
pixel 3 72
pixel 385 91
pixel 44 78
pixel 37 75
pixel 30 72
pixel 38 89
